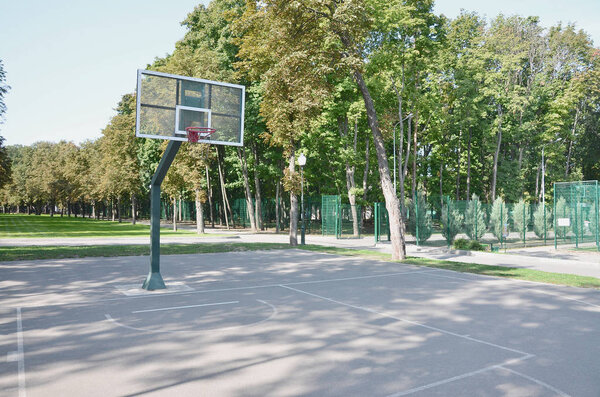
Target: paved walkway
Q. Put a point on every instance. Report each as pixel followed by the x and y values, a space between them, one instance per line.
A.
pixel 538 258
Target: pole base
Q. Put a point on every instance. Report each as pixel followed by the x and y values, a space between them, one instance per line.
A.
pixel 154 281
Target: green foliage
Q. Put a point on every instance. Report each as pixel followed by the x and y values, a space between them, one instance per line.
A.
pixel 542 224
pixel 3 91
pixel 452 222
pixel 475 219
pixel 520 217
pixel 420 215
pixel 471 245
pixel 498 218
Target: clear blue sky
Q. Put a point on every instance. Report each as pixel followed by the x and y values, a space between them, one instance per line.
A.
pixel 69 62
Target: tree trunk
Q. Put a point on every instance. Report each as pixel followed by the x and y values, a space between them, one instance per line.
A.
pixel 119 208
pixel 69 203
pixel 257 193
pixel 458 166
pixel 413 186
pixel 469 165
pixel 180 215
pixel 210 198
pixel 366 173
pixel 174 213
pixel 537 183
pixel 350 170
pixel 250 206
pixel 133 209
pixel 113 213
pixel 199 214
pixel 391 200
pixel 277 205
pixel 293 204
pixel 223 190
pixel 497 153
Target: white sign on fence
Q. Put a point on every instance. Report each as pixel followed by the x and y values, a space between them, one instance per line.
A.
pixel 565 222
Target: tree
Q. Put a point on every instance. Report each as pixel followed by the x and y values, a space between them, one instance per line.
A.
pixel 475 219
pixel 452 221
pixel 520 217
pixel 542 220
pixel 498 218
pixel 3 91
pixel 5 165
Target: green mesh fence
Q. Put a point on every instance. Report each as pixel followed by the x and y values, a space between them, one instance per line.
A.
pixel 576 213
pixel 330 219
pixel 381 222
pixel 439 221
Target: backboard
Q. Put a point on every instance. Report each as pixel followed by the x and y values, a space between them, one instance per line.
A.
pixel 167 104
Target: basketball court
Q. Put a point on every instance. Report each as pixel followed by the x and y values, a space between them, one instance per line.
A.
pixel 289 323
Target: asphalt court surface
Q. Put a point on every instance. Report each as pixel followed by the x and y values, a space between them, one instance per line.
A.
pixel 290 323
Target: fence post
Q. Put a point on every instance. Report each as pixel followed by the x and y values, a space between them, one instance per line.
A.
pixel 554 212
pixel 501 225
pixel 576 226
pixel 448 219
pixel 596 215
pixel 416 201
pixel 475 217
pixel 376 208
pixel 545 222
pixel 524 224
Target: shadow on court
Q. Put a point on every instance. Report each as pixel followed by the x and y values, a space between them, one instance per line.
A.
pixel 286 323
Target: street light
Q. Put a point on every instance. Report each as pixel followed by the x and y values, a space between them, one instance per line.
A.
pixel 302 163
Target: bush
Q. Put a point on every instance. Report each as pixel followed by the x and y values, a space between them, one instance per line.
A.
pixel 473 245
pixel 521 218
pixel 474 219
pixel 451 222
pixel 498 218
pixel 561 211
pixel 539 222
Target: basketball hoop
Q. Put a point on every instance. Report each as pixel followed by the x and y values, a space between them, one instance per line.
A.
pixel 195 134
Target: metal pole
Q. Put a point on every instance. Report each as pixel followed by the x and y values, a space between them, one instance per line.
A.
pixel 302 241
pixel 154 279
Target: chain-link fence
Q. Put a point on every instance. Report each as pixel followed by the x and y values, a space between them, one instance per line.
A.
pixel 573 218
pixel 576 213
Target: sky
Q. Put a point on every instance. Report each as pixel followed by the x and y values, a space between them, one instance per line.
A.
pixel 69 62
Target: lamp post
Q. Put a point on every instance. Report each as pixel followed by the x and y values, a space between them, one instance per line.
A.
pixel 302 163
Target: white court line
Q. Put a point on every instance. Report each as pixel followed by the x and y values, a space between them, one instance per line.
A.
pixel 469 338
pixel 274 313
pixel 86 302
pixel 21 355
pixel 539 382
pixel 184 307
pixel 458 377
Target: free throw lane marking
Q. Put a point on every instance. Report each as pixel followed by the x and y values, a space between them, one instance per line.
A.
pixel 185 307
pixel 20 355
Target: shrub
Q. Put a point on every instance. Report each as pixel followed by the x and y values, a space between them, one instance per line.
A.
pixel 474 219
pixel 561 211
pixel 452 221
pixel 498 218
pixel 539 222
pixel 464 244
pixel 521 218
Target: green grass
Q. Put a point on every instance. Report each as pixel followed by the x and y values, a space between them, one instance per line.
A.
pixel 45 226
pixel 60 252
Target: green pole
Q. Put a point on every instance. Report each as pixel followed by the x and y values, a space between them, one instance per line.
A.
pixel 501 227
pixel 524 224
pixel 154 279
pixel 475 220
pixel 376 222
pixel 575 228
pixel 554 209
pixel 448 219
pixel 544 209
pixel 596 215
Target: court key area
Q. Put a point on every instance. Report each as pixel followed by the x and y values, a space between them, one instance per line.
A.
pixel 289 323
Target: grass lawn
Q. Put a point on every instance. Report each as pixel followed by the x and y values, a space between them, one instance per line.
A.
pixel 57 252
pixel 39 226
